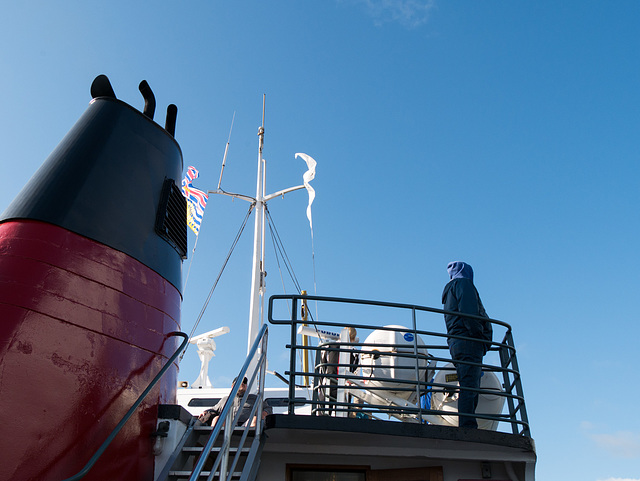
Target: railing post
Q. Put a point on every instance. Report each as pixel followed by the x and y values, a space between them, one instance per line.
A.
pixel 505 360
pixel 518 385
pixel 226 443
pixel 314 392
pixel 342 369
pixel 292 363
pixel 417 359
pixel 262 363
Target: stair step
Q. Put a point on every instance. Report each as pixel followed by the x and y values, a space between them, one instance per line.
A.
pixel 237 430
pixel 182 465
pixel 215 449
pixel 187 474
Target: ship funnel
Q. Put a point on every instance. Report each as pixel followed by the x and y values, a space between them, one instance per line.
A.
pixel 149 99
pixel 115 179
pixel 91 256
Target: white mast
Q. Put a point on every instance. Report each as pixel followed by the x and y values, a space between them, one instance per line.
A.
pixel 257 274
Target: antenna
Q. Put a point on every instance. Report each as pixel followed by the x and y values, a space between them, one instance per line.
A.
pixel 206 348
pixel 226 149
pixel 261 129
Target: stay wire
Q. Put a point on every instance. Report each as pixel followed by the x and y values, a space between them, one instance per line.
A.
pixel 277 241
pixel 273 240
pixel 224 265
pixel 279 246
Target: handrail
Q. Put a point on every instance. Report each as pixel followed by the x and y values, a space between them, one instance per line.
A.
pixel 337 381
pixel 346 300
pixel 83 472
pixel 230 423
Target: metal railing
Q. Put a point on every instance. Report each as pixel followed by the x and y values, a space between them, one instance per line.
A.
pixel 228 419
pixel 83 472
pixel 411 380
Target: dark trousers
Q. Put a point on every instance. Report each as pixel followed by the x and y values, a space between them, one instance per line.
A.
pixel 468 377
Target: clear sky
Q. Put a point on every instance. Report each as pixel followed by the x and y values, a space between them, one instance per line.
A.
pixel 505 134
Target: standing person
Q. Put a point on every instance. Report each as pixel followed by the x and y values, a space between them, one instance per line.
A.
pixel 460 295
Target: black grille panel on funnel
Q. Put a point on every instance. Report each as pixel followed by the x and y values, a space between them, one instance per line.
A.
pixel 171 222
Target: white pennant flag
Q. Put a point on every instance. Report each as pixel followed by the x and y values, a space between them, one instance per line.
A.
pixel 306 178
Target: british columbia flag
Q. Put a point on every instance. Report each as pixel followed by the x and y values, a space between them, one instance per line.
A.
pixel 196 200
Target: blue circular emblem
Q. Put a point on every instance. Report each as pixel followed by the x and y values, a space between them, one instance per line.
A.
pixel 408 337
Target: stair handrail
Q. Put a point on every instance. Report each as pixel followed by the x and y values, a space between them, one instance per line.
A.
pixel 87 467
pixel 226 411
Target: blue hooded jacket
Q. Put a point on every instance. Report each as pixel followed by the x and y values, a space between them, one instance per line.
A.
pixel 460 295
pixel 460 270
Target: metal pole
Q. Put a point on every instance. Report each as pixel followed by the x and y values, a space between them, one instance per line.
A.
pixel 258 241
pixel 305 341
pixel 292 364
pixel 415 353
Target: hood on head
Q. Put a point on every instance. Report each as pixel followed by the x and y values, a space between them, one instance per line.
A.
pixel 458 270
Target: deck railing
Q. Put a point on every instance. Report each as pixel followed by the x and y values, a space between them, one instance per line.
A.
pixel 394 370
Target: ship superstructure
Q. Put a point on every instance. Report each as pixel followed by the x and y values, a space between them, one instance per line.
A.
pixel 90 276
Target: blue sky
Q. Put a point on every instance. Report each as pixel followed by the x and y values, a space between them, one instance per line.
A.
pixel 505 134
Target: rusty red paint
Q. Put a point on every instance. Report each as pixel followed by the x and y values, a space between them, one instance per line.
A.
pixel 82 332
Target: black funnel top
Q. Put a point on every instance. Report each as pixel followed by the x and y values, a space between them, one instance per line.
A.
pixel 106 181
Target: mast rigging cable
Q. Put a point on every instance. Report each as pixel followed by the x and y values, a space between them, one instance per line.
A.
pixel 224 265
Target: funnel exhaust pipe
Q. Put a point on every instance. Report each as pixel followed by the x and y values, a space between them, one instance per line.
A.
pixel 149 99
pixel 101 87
pixel 170 123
